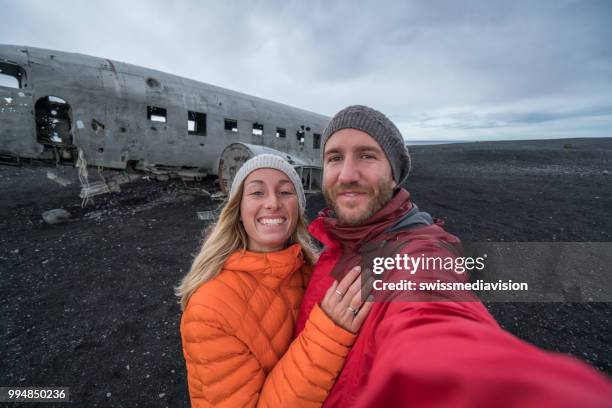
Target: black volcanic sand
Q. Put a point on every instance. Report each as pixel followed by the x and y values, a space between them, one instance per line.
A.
pixel 89 303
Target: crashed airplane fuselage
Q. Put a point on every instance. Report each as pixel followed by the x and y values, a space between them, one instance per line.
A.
pixel 59 108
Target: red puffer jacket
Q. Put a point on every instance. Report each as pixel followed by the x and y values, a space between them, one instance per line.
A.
pixel 439 354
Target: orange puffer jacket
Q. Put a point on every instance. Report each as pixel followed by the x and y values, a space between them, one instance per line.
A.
pixel 237 336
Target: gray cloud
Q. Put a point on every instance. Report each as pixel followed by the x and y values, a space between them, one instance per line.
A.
pixel 470 120
pixel 441 65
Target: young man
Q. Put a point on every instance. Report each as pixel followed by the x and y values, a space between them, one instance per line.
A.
pixel 410 353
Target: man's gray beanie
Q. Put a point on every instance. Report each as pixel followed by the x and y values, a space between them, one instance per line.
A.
pixel 380 128
pixel 269 161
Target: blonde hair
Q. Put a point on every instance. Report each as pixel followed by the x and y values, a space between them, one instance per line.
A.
pixel 227 236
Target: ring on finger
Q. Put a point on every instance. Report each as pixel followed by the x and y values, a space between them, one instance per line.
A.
pixel 353 311
pixel 340 293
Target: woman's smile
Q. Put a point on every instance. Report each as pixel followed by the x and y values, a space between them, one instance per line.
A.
pixel 272 221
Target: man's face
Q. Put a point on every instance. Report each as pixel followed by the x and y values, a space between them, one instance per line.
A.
pixel 357 177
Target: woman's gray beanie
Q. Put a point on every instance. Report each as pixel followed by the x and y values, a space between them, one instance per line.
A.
pixel 380 128
pixel 269 161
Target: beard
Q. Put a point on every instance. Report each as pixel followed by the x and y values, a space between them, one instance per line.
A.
pixel 379 196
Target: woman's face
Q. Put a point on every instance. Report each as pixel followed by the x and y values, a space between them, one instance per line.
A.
pixel 268 210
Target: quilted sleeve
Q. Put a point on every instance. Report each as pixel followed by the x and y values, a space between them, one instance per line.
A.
pixel 305 374
pixel 221 370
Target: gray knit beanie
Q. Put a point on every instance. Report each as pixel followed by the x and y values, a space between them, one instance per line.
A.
pixel 270 161
pixel 380 128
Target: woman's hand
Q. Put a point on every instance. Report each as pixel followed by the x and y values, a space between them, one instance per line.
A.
pixel 343 301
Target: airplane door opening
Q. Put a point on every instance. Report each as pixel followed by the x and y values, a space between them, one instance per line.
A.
pixel 53 124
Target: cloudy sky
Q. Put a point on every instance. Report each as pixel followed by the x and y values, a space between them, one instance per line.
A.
pixel 442 70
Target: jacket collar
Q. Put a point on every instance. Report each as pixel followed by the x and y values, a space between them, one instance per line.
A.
pixel 270 268
pixel 330 232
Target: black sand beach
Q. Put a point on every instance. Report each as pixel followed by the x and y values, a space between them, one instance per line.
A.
pixel 89 304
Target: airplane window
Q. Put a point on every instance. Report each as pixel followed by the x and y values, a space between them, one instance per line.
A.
pixel 258 129
pixel 11 75
pixel 156 114
pixel 316 141
pixel 231 125
pixel 196 123
pixel 300 137
pixel 281 132
pixel 8 81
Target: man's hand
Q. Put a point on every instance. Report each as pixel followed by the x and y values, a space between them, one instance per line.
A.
pixel 343 301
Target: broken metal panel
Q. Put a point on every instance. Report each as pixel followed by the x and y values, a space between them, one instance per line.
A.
pixel 311 177
pixel 108 184
pixel 62 181
pixel 94 189
pixel 234 156
pixel 112 147
pixel 15 54
pixel 208 215
pixel 17 127
pixel 67 78
pixel 125 134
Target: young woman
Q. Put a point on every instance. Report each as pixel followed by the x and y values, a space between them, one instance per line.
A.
pixel 242 295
